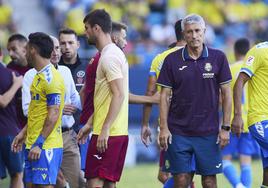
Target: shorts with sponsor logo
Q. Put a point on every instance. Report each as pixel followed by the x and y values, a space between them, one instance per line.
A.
pixel 108 165
pixel 193 153
pixel 259 132
pixel 9 160
pixel 245 144
pixel 43 171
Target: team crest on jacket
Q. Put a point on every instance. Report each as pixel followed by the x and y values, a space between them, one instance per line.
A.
pixel 208 67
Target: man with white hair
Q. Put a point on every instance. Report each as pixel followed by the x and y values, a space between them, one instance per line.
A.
pixel 189 125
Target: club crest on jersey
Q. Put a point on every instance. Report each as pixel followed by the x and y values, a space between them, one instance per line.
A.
pixel 80 74
pixel 208 67
pixel 250 60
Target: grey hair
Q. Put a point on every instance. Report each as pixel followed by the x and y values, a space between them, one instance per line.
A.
pixel 193 19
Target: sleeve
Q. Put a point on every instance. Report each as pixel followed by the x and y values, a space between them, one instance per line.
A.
pixel 251 63
pixel 153 67
pixel 54 90
pixel 112 68
pixel 165 78
pixel 26 94
pixel 224 75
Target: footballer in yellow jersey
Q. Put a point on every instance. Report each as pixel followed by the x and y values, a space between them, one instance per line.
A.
pixel 43 153
pixel 47 89
pixel 256 67
pixel 255 72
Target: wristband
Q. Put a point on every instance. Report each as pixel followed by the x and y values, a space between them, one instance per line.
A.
pixel 226 127
pixel 39 142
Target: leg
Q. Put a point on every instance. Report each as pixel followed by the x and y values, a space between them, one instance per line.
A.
pixel 245 165
pixel 16 180
pixel 61 181
pixel 209 181
pixel 109 184
pixel 265 176
pixel 229 170
pixel 71 160
pixel 95 183
pixel 182 180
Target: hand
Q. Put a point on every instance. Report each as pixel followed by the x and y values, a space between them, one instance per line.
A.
pixel 17 142
pixel 83 133
pixel 224 138
pixel 34 153
pixel 146 135
pixel 17 79
pixel 102 141
pixel 69 109
pixel 237 125
pixel 165 138
pixel 156 98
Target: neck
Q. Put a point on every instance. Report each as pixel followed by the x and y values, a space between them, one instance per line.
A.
pixel 239 57
pixel 196 52
pixel 40 63
pixel 103 41
pixel 180 43
pixel 70 61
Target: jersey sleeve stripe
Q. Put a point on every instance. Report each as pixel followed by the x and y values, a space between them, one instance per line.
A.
pixel 247 71
pixel 163 85
pixel 225 82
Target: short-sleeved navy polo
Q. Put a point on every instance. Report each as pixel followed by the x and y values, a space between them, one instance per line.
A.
pixel 195 88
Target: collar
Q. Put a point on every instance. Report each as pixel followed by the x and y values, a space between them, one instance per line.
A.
pixel 45 69
pixel 186 56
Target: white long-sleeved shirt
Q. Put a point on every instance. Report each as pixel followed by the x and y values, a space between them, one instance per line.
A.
pixel 71 94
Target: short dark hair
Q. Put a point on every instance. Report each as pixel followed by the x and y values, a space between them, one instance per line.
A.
pixel 242 46
pixel 68 31
pixel 101 18
pixel 43 43
pixel 178 30
pixel 118 26
pixel 18 37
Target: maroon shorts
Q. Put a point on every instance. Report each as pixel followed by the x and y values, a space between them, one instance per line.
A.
pixel 161 158
pixel 108 165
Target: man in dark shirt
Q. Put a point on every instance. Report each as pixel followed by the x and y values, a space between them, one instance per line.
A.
pixel 9 85
pixel 16 47
pixel 190 124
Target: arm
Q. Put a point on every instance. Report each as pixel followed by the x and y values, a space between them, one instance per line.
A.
pixel 49 124
pixel 147 108
pixel 227 109
pixel 85 130
pixel 141 99
pixel 164 135
pixel 237 122
pixel 18 141
pixel 117 90
pixel 8 95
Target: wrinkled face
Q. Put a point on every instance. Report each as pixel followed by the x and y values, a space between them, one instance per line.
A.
pixel 120 39
pixel 17 51
pixel 194 35
pixel 89 31
pixel 56 53
pixel 69 45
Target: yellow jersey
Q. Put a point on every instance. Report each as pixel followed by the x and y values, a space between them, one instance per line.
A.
pixel 256 67
pixel 235 69
pixel 112 65
pixel 47 89
pixel 158 62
